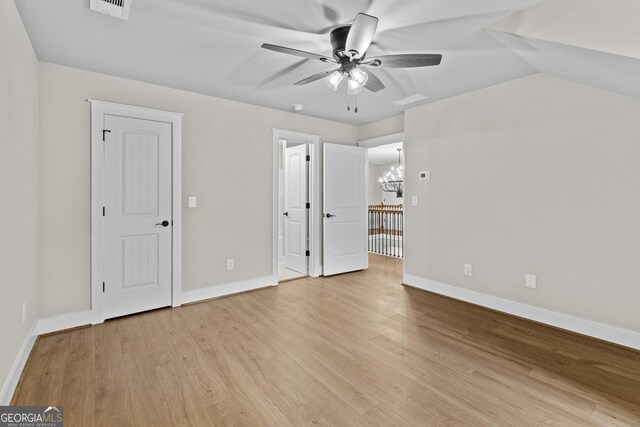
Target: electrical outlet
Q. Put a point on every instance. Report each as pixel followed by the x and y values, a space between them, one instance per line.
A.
pixel 530 281
pixel 230 263
pixel 468 270
pixel 193 201
pixel 24 312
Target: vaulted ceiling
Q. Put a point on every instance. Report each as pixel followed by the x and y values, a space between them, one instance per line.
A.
pixel 213 46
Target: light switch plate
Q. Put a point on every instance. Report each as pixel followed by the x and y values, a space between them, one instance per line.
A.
pixel 414 200
pixel 193 201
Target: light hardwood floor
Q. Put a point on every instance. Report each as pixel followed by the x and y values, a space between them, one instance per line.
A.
pixel 356 349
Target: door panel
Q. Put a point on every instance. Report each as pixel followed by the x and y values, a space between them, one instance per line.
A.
pixel 140 174
pixel 345 232
pixel 139 260
pixel 295 206
pixel 344 235
pixel 137 200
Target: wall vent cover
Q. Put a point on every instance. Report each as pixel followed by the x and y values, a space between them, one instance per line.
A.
pixel 113 8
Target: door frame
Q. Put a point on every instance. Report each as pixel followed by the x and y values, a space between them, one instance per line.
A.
pixel 382 140
pixel 98 110
pixel 315 223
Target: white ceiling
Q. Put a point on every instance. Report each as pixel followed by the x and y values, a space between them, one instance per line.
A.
pixel 594 42
pixel 213 47
pixel 607 26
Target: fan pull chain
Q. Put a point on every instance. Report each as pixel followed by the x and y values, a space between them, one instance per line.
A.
pixel 348 103
pixel 356 110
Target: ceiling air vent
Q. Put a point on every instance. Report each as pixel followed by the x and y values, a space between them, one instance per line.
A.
pixel 411 99
pixel 113 8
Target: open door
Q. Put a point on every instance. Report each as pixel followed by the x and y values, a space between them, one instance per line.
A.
pixel 295 208
pixel 345 209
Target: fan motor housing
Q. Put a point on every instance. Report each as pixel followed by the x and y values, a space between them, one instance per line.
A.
pixel 339 41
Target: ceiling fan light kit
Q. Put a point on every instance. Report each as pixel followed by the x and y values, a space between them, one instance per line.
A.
pixel 353 86
pixel 334 79
pixel 350 44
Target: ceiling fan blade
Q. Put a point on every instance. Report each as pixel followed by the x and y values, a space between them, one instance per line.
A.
pixel 283 72
pixel 297 52
pixel 313 78
pixel 405 60
pixel 361 35
pixel 373 83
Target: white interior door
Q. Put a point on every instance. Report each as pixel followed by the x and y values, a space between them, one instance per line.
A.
pixel 345 209
pixel 137 215
pixel 295 208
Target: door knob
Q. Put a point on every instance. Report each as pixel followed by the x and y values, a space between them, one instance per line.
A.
pixel 329 216
pixel 164 223
pixel 286 214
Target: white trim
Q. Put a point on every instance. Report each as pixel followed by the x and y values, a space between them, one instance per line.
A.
pixel 227 289
pixel 98 111
pixel 601 331
pixel 134 107
pixel 11 382
pixel 382 140
pixel 176 211
pixel 64 321
pixel 315 223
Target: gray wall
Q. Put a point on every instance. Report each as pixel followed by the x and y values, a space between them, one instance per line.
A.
pixel 18 185
pixel 535 176
pixel 374 193
pixel 381 128
pixel 226 148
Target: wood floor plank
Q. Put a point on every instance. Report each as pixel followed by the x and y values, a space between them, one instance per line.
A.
pixel 112 400
pixel 44 380
pixel 80 376
pixel 356 349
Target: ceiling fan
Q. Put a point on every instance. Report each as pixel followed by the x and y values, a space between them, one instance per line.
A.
pixel 350 44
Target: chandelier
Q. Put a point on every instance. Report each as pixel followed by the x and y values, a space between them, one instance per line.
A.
pixel 392 181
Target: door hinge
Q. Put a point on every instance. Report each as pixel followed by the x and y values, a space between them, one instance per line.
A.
pixel 308 253
pixel 308 205
pixel 103 211
pixel 102 286
pixel 104 131
pixel 308 157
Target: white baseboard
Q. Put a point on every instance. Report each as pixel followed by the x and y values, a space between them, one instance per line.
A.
pixel 10 383
pixel 601 331
pixel 81 318
pixel 65 321
pixel 227 289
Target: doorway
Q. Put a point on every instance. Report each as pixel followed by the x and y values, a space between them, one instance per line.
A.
pixel 336 238
pixel 282 139
pixel 294 204
pixel 136 231
pixel 386 198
